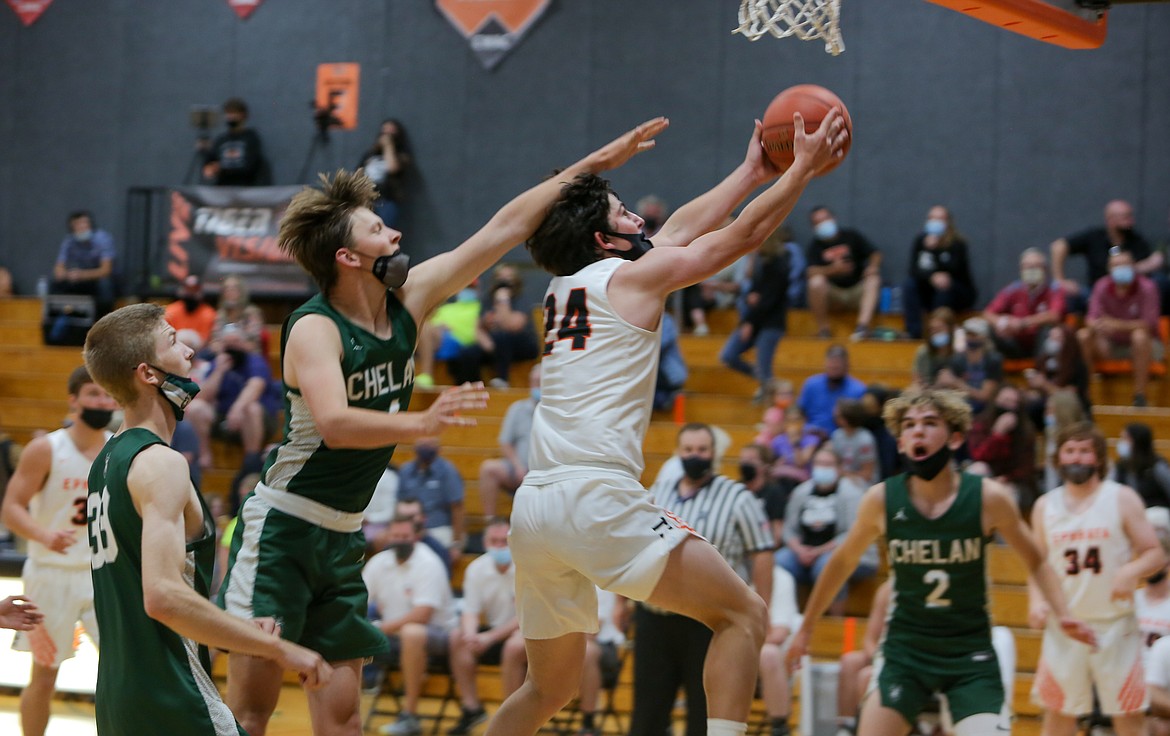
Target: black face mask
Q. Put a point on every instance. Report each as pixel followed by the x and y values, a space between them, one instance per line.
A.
pixel 748 472
pixel 96 418
pixel 1157 577
pixel 402 550
pixel 696 467
pixel 234 124
pixel 929 467
pixel 191 303
pixel 392 270
pixel 1077 472
pixel 238 357
pixel 640 245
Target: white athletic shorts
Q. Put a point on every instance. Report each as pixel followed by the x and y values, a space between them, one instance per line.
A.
pixel 65 596
pixel 1068 670
pixel 599 528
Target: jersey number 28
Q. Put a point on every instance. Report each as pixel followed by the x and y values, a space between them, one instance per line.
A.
pixel 574 322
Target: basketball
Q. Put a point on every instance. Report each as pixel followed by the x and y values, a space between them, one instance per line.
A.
pixel 813 103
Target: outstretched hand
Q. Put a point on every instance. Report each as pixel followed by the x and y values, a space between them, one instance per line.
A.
pixel 822 147
pixel 622 149
pixel 797 649
pixel 18 612
pixel 446 411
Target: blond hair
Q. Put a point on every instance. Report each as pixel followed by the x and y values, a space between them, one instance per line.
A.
pixel 955 410
pixel 318 222
pixel 117 344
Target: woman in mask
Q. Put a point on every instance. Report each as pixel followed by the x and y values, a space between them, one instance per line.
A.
pixel 1140 468
pixel 940 274
pixel 937 347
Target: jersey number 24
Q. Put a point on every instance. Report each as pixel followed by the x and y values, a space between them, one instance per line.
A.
pixel 574 322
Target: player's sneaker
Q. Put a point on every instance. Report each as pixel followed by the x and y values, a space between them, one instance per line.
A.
pixel 406 725
pixel 468 720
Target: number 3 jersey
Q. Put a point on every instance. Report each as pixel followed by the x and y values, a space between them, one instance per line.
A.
pixel 597 379
pixel 939 601
pixel 60 504
pixel 1086 549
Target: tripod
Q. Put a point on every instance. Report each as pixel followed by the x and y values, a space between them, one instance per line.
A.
pixel 198 157
pixel 319 142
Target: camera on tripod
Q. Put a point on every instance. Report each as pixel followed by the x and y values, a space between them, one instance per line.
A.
pixel 324 117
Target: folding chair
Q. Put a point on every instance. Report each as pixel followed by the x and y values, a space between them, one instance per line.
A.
pixel 387 684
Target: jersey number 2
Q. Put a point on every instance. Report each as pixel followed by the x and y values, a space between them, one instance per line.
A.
pixel 574 322
pixel 102 545
pixel 941 581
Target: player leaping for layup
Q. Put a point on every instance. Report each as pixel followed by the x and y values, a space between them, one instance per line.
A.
pixel 582 517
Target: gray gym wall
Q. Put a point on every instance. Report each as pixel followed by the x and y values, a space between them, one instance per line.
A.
pixel 1024 141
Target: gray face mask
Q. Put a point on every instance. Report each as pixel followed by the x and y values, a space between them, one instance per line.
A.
pixel 390 270
pixel 1077 472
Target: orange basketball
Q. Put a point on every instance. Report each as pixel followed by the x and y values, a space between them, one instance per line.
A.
pixel 813 103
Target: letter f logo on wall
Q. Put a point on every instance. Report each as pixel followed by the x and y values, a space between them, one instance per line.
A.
pixel 492 27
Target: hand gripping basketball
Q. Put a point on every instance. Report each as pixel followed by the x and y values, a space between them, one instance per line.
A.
pixel 813 104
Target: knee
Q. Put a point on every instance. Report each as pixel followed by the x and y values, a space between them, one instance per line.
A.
pixel 1140 337
pixel 513 650
pixel 770 660
pixel 817 284
pixel 747 614
pixel 413 635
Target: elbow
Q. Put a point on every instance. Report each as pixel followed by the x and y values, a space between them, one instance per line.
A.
pixel 159 605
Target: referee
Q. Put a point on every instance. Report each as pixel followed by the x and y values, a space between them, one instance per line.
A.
pixel 669 649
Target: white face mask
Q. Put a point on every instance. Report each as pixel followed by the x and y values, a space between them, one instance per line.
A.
pixel 935 226
pixel 826 229
pixel 824 476
pixel 1124 449
pixel 1032 276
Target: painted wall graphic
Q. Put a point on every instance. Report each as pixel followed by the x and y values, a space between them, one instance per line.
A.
pixel 492 27
pixel 29 10
pixel 244 8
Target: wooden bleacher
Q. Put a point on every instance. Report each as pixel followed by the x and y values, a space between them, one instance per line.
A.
pixel 32 396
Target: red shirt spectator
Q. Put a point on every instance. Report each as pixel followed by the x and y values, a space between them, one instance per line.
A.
pixel 1138 302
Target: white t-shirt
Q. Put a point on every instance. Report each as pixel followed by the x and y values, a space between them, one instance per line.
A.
pixel 783 611
pixel 489 593
pixel 1158 664
pixel 380 509
pixel 608 633
pixel 1153 616
pixel 395 588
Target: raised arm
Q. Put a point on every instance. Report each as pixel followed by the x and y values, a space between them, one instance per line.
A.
pixel 434 280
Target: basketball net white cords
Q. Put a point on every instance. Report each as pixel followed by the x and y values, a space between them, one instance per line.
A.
pixel 808 20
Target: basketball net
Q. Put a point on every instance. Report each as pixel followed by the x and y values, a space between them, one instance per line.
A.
pixel 808 20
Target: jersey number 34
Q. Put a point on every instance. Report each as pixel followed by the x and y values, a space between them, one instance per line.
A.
pixel 574 322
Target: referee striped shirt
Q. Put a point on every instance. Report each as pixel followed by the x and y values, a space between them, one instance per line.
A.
pixel 726 513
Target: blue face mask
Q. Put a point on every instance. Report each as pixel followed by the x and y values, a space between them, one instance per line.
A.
pixel 935 227
pixel 1122 274
pixel 535 394
pixel 502 556
pixel 940 339
pixel 824 476
pixel 826 230
pixel 83 236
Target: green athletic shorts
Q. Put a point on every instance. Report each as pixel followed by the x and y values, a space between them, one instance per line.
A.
pixel 907 681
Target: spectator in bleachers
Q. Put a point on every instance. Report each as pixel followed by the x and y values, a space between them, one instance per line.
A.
pixel 435 481
pixel 1095 244
pixel 236 307
pixel 820 392
pixel 447 336
pixel 844 272
pixel 778 398
pixel 857 665
pixel 755 461
pixel 387 162
pixel 820 512
pixel 1158 686
pixel 411 508
pixel 1062 410
pixel 1140 467
pixel 794 449
pixel 875 397
pixel 236 157
pixel 412 605
pixel 505 473
pixel 940 271
pixel 505 334
pixel 854 444
pixel 1122 321
pixel 488 630
pixel 190 310
pixel 238 400
pixel 603 660
pixel 381 508
pixel 1059 366
pixel 1002 443
pixel 85 263
pixel 766 318
pixel 783 620
pixel 938 346
pixel 672 368
pixel 1023 311
pixel 977 370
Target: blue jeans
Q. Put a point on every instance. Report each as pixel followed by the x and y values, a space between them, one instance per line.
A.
pixel 765 341
pixel 787 559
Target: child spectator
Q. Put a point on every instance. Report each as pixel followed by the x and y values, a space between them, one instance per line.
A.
pixel 779 396
pixel 794 449
pixel 854 443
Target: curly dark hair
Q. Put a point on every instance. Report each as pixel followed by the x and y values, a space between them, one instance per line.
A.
pixel 563 244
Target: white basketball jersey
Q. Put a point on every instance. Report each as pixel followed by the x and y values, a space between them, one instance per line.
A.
pixel 597 378
pixel 1086 549
pixel 60 504
pixel 1153 616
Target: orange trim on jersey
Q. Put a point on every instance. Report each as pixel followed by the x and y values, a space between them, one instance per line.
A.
pixel 1133 691
pixel 1048 689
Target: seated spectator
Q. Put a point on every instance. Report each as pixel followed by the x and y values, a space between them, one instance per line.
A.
pixel 381 508
pixel 1158 685
pixel 488 630
pixel 505 334
pixel 857 665
pixel 387 162
pixel 783 620
pixel 1095 245
pixel 85 263
pixel 412 509
pixel 755 461
pixel 1062 410
pixel 1002 443
pixel 820 512
pixel 1122 321
pixel 435 481
pixel 505 473
pixel 237 401
pixel 844 273
pixel 236 157
pixel 447 336
pixel 794 449
pixel 603 660
pixel 820 392
pixel 235 307
pixel 977 370
pixel 797 265
pixel 853 443
pixel 412 605
pixel 5 283
pixel 1140 467
pixel 940 271
pixel 1024 310
pixel 874 398
pixel 778 397
pixel 766 319
pixel 672 369
pixel 938 347
pixel 1059 366
pixel 190 310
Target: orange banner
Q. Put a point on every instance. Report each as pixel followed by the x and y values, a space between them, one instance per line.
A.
pixel 337 93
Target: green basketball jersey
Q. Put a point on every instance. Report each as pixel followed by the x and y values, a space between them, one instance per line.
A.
pixel 150 680
pixel 379 375
pixel 939 601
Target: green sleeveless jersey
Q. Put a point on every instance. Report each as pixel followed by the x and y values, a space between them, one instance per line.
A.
pixel 379 375
pixel 940 597
pixel 150 679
